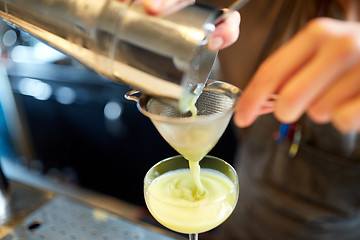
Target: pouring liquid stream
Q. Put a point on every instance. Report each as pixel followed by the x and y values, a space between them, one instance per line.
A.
pixel 194 135
pixel 187 104
pixel 195 198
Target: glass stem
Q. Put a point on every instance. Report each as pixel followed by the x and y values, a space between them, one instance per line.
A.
pixel 193 236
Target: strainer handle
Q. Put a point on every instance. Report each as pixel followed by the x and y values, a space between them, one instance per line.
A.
pixel 129 95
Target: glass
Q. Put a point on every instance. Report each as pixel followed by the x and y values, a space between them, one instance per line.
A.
pixel 174 202
pixel 192 137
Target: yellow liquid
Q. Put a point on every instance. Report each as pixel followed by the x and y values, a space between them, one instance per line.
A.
pixel 196 140
pixel 195 200
pixel 193 155
pixel 187 103
pixel 173 200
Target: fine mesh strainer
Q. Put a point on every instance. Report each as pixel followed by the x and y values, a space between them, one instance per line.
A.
pixel 192 137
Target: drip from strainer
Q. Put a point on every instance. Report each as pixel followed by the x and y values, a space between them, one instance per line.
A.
pixel 192 137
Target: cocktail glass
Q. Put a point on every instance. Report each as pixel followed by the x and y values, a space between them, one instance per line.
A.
pixel 177 205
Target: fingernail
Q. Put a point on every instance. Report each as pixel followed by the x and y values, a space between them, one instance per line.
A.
pixel 215 43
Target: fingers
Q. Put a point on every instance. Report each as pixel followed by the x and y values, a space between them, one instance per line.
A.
pixel 226 33
pixel 347 116
pixel 344 90
pixel 333 59
pixel 163 7
pixel 304 71
pixel 273 74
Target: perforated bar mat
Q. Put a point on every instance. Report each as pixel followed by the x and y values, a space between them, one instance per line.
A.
pixel 62 218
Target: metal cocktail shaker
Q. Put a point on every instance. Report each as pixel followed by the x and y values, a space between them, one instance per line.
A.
pixel 157 55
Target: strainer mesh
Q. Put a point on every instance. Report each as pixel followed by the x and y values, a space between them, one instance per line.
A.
pixel 208 103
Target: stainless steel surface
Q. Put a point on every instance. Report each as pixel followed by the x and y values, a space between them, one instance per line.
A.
pixel 21 201
pixel 62 218
pixel 158 55
pixel 218 98
pixel 42 208
pixel 233 7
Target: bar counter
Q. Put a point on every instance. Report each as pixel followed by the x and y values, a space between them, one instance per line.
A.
pixel 42 208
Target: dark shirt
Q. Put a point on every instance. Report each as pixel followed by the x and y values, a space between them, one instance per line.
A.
pixel 299 181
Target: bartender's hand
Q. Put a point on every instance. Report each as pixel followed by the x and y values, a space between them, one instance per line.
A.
pixel 317 72
pixel 225 34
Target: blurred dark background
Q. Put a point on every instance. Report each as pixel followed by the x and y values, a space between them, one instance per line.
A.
pixel 77 126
